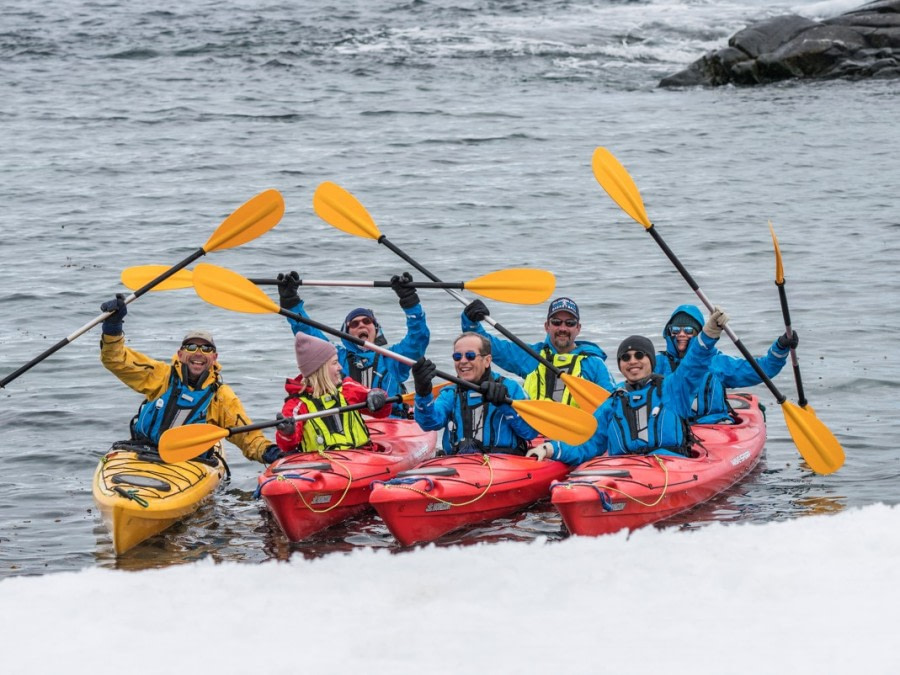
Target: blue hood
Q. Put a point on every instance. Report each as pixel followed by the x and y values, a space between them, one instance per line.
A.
pixel 692 311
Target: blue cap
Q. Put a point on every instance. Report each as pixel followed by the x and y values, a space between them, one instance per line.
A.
pixel 359 311
pixel 563 305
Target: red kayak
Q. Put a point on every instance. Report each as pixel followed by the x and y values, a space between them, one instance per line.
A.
pixel 447 493
pixel 309 491
pixel 608 494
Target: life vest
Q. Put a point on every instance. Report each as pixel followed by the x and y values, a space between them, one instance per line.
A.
pixel 177 406
pixel 474 420
pixel 367 376
pixel 333 432
pixel 543 384
pixel 710 405
pixel 642 424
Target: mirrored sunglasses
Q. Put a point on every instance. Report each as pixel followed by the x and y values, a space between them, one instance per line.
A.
pixel 571 323
pixel 627 356
pixel 191 347
pixel 687 330
pixel 470 356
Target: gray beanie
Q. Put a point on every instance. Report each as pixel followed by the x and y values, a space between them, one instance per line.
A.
pixel 637 343
pixel 312 353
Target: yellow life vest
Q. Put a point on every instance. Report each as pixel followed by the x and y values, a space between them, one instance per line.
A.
pixel 333 432
pixel 543 384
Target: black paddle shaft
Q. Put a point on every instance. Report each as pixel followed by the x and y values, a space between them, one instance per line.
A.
pixel 781 398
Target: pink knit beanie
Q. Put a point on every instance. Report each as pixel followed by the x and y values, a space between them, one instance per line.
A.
pixel 312 353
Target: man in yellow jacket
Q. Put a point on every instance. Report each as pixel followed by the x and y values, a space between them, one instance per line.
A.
pixel 189 390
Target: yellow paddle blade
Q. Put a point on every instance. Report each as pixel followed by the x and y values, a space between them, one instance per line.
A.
pixel 256 217
pixel 342 210
pixel 518 285
pixel 229 290
pixel 411 396
pixel 180 444
pixel 817 445
pixel 136 277
pixel 613 178
pixel 557 421
pixel 588 395
pixel 779 270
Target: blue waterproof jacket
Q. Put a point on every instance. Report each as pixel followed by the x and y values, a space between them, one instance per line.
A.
pixel 388 374
pixel 665 404
pixel 514 359
pixel 501 429
pixel 726 372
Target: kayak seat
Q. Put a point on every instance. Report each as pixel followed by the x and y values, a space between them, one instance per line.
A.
pixel 429 471
pixel 302 466
pixel 141 481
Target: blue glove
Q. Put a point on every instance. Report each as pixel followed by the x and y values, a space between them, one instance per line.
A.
pixel 375 399
pixel 785 342
pixel 112 325
pixel 272 453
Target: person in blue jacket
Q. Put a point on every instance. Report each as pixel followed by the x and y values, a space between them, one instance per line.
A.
pixel 710 406
pixel 576 357
pixel 369 368
pixel 473 421
pixel 648 413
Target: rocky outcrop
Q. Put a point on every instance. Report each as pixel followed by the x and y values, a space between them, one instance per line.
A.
pixel 862 43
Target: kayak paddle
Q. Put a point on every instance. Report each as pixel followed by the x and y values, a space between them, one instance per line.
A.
pixel 337 207
pixel 229 290
pixel 254 218
pixel 521 286
pixel 779 281
pixel 816 443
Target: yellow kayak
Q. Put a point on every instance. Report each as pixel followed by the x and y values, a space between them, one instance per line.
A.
pixel 139 495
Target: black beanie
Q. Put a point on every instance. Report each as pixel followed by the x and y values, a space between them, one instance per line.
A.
pixel 637 343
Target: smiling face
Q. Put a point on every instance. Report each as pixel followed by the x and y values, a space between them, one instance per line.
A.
pixel 197 361
pixel 562 328
pixel 473 369
pixel 635 365
pixel 333 369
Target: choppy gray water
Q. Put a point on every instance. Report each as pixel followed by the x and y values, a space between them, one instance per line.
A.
pixel 466 129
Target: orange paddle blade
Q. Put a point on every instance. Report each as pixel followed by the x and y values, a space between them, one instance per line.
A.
pixel 522 286
pixel 557 421
pixel 342 210
pixel 816 443
pixel 180 444
pixel 135 278
pixel 618 184
pixel 229 290
pixel 255 217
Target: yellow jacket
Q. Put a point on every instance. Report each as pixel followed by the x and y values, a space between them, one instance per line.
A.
pixel 151 378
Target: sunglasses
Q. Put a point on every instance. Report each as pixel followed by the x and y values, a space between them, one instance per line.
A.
pixel 362 321
pixel 627 356
pixel 470 356
pixel 191 347
pixel 571 323
pixel 687 330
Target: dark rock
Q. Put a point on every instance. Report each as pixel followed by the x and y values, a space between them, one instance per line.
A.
pixel 861 43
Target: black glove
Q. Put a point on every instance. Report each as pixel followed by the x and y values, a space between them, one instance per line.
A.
pixel 272 453
pixel 785 342
pixel 476 310
pixel 493 392
pixel 423 372
pixel 407 294
pixel 112 325
pixel 287 425
pixel 287 290
pixel 375 399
